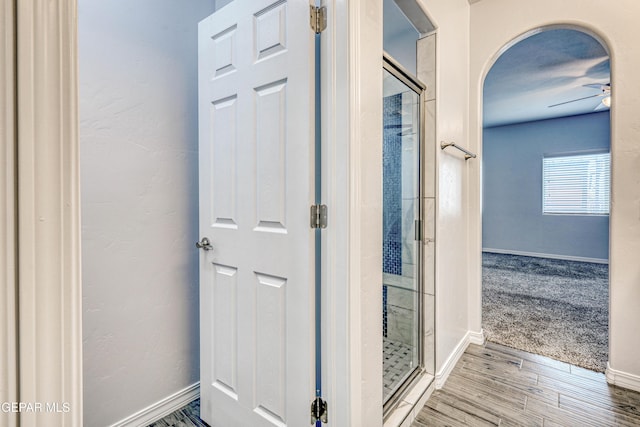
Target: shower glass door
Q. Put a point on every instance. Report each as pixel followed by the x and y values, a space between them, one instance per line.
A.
pixel 401 288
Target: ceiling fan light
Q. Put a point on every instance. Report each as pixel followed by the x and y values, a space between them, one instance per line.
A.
pixel 607 101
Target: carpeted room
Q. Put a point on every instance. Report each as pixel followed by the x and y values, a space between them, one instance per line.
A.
pixel 545 263
pixel 556 308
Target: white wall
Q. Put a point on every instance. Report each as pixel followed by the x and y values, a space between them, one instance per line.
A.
pixel 8 327
pixel 452 93
pixel 138 138
pixel 494 23
pixel 365 212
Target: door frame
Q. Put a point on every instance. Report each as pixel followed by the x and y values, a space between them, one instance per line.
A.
pixel 49 355
pixel 480 195
pixel 8 259
pixel 501 44
pixel 351 76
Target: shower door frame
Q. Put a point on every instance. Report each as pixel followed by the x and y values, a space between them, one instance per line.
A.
pixel 404 76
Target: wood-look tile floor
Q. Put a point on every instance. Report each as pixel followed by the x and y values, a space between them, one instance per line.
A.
pixel 493 385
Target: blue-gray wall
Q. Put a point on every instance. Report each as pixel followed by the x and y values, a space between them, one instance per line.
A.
pixel 512 218
pixel 138 110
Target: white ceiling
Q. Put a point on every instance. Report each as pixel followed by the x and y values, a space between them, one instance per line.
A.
pixel 547 68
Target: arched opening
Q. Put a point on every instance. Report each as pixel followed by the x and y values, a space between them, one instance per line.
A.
pixel 545 196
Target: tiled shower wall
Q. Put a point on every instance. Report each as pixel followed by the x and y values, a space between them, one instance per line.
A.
pixel 426 65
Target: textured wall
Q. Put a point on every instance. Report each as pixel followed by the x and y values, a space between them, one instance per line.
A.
pixel 138 138
pixel 512 218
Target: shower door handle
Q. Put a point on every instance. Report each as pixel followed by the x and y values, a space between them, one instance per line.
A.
pixel 204 244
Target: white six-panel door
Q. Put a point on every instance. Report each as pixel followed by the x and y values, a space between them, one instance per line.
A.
pixel 256 180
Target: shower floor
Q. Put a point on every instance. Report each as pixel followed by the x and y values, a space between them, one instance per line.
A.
pixel 396 363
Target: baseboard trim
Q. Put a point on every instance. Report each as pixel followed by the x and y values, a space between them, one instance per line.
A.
pixel 476 337
pixel 550 256
pixel 622 379
pixel 161 409
pixel 469 338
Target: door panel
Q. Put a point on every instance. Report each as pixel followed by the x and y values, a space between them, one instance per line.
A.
pixel 223 163
pixel 256 180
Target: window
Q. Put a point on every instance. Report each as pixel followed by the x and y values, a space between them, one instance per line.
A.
pixel 576 184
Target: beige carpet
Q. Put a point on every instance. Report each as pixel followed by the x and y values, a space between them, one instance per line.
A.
pixel 550 307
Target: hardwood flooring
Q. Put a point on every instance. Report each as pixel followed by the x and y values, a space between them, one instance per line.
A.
pixel 493 385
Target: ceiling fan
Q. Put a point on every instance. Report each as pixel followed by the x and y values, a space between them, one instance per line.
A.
pixel 605 92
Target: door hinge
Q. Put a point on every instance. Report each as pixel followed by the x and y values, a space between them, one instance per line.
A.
pixel 319 411
pixel 318 18
pixel 418 230
pixel 318 216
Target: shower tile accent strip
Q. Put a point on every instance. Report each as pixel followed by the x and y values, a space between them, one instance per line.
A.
pixel 384 310
pixel 392 185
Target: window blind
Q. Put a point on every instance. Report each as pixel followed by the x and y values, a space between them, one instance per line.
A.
pixel 576 184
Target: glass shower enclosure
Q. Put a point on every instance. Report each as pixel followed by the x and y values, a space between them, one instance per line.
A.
pixel 401 288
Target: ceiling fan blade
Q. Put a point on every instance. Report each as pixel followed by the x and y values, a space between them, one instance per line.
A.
pixel 601 86
pixel 574 100
pixel 600 107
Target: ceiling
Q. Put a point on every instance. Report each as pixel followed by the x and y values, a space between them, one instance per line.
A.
pixel 547 68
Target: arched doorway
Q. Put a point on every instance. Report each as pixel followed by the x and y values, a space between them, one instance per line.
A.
pixel 545 197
